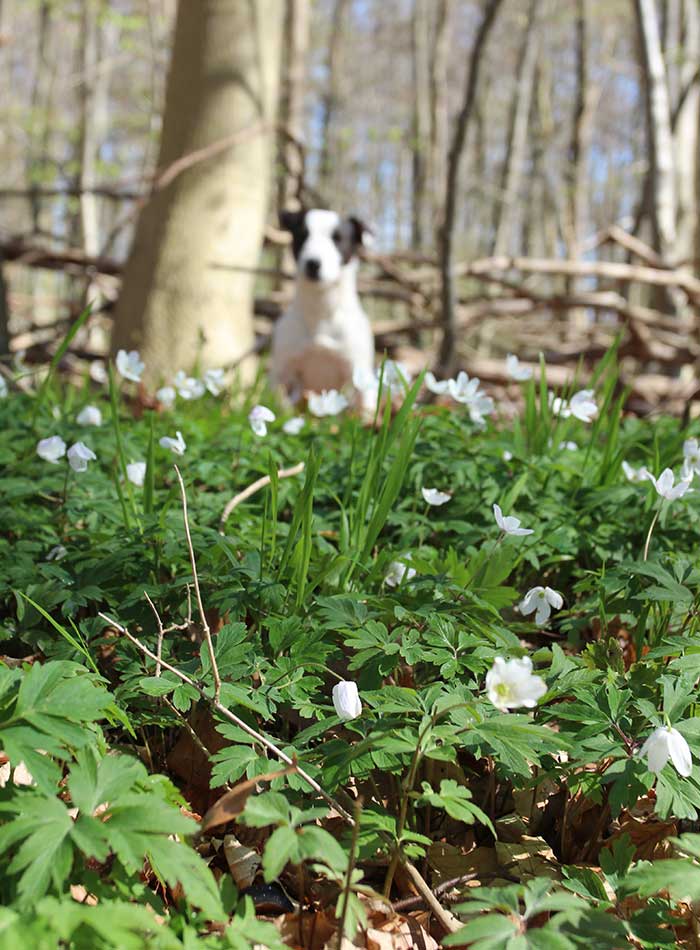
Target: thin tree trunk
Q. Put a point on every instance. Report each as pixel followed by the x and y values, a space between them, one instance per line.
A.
pixel 516 145
pixel 420 126
pixel 331 99
pixel 291 109
pixel 658 110
pixel 439 107
pixel 188 288
pixel 447 354
pixel 686 141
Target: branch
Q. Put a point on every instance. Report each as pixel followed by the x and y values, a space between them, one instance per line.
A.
pixel 198 594
pixel 232 717
pixel 256 486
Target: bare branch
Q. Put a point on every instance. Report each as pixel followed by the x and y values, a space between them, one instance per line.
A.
pixel 198 594
pixel 256 486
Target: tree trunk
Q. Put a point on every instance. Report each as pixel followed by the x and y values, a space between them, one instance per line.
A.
pixel 447 355
pixel 187 292
pixel 329 102
pixel 292 86
pixel 686 142
pixel 662 184
pixel 439 109
pixel 516 145
pixel 420 126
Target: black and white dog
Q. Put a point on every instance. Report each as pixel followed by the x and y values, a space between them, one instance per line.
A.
pixel 324 337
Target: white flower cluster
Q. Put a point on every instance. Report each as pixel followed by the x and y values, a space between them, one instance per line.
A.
pixel 465 391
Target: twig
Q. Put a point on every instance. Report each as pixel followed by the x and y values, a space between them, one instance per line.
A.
pixel 348 876
pixel 232 717
pixel 198 593
pixel 444 917
pixel 161 632
pixel 410 903
pixel 256 486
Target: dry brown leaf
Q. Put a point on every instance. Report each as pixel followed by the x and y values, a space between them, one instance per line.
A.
pixel 313 931
pixel 243 861
pixel 529 857
pixel 232 803
pixel 447 862
pixel 400 934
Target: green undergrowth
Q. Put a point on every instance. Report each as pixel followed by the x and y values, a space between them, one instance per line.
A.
pixel 100 848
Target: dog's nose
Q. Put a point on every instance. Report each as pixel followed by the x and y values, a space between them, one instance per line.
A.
pixel 312 268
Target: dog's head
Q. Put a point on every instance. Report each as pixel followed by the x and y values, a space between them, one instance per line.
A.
pixel 323 242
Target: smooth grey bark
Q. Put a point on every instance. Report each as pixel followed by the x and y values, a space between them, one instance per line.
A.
pixel 439 108
pixel 516 144
pixel 420 125
pixel 686 137
pixel 187 293
pixel 658 116
pixel 291 107
pixel 447 354
pixel 332 97
pixel 4 315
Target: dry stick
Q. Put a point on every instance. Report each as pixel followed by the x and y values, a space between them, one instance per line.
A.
pixel 447 920
pixel 198 594
pixel 256 486
pixel 161 633
pixel 232 717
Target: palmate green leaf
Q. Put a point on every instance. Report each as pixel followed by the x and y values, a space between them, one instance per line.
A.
pixel 282 847
pixel 456 800
pixel 269 808
pixel 45 855
pixel 177 863
pixel 96 781
pixel 491 932
pixel 111 923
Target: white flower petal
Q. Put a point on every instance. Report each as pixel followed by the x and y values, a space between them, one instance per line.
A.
pixel 130 365
pixel 434 496
pixel 51 449
pixel 679 751
pixel 346 700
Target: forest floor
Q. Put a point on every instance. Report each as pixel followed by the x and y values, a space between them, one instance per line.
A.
pixel 325 683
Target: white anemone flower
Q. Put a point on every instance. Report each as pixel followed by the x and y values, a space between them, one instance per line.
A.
pixel 89 416
pixel 541 600
pixel 691 459
pixel 166 396
pixel 667 743
pixel 399 572
pixel 136 473
pixel 294 425
pixel 559 406
pixel 665 487
pixel 258 417
pixel 214 380
pixel 187 386
pixel 462 389
pixel 176 445
pixel 79 455
pixel 582 406
pixel 507 455
pixel 329 402
pixel 516 370
pixel 511 683
pixel 57 553
pixel 433 496
pixel 395 377
pixel 346 700
pixel 437 386
pixel 635 474
pixel 98 372
pixel 3 387
pixel 509 524
pixel 130 365
pixel 569 446
pixel 51 449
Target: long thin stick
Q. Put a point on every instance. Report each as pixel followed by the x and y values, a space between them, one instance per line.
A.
pixel 256 486
pixel 232 717
pixel 198 595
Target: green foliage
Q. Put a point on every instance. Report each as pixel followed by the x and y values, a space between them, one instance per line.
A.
pixel 296 593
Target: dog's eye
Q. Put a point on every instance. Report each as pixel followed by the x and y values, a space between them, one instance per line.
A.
pixel 336 236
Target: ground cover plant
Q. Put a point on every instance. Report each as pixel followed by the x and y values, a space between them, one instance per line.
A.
pixel 432 679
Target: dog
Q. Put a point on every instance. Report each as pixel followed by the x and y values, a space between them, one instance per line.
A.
pixel 324 338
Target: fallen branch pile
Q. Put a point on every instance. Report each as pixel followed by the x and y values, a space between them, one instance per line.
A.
pixel 570 309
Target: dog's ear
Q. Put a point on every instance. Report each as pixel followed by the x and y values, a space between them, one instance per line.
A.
pixel 363 235
pixel 292 220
